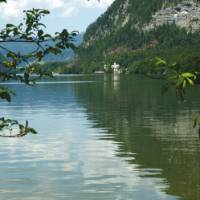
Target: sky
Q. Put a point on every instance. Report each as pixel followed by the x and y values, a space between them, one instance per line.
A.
pixel 69 14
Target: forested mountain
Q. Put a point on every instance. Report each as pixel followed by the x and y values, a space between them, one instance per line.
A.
pixel 134 32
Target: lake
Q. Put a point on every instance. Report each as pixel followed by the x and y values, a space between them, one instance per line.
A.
pixel 101 137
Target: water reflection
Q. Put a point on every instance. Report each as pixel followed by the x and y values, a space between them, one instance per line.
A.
pixel 96 142
pixel 157 129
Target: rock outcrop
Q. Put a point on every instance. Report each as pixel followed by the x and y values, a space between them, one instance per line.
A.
pixel 185 15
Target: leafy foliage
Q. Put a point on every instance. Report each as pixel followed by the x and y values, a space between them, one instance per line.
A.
pixel 14 125
pixel 180 80
pixel 6 93
pixel 31 30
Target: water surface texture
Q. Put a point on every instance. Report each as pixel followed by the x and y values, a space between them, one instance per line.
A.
pixel 101 137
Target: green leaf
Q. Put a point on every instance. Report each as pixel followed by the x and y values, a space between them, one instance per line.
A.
pixel 5 93
pixel 190 81
pixel 160 62
pixel 184 83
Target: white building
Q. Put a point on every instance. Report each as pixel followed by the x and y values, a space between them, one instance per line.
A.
pixel 115 67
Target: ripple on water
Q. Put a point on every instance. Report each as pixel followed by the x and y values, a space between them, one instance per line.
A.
pixel 78 155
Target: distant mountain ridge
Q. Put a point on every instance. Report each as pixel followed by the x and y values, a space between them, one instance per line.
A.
pixel 28 47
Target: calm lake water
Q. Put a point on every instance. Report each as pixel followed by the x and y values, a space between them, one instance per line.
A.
pixel 101 137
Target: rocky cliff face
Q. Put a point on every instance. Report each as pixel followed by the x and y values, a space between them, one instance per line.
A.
pixel 185 15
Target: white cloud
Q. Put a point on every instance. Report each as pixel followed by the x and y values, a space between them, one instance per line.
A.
pixel 95 3
pixel 65 8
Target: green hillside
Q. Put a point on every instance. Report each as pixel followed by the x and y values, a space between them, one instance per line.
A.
pixel 122 35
